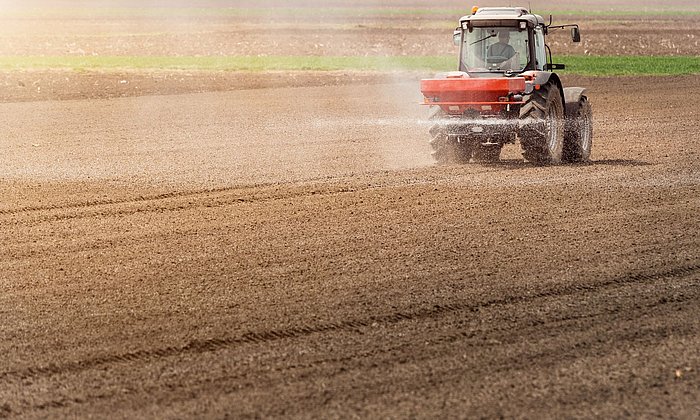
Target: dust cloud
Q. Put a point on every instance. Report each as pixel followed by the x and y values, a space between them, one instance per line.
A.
pixel 270 136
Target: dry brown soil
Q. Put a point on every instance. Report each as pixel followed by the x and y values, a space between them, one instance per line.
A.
pixel 330 28
pixel 274 245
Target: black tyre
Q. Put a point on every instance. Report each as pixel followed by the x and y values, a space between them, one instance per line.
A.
pixel 542 133
pixel 446 149
pixel 578 134
pixel 487 154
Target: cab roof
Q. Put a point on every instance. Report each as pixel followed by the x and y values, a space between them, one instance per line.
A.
pixel 485 14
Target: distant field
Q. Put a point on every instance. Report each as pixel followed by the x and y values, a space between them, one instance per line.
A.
pixel 286 12
pixel 584 65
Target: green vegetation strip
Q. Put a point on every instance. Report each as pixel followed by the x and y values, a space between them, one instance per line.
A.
pixel 584 65
pixel 629 65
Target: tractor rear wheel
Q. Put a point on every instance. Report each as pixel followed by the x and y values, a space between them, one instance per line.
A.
pixel 446 149
pixel 542 134
pixel 578 135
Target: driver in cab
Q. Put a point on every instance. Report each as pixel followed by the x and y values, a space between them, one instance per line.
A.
pixel 502 48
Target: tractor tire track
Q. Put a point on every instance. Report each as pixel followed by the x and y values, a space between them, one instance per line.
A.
pixel 217 197
pixel 214 344
pixel 477 338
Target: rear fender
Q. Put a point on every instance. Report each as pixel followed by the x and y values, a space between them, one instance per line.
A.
pixel 542 78
pixel 572 96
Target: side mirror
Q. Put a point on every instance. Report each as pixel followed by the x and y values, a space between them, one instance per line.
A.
pixel 575 34
pixel 457 37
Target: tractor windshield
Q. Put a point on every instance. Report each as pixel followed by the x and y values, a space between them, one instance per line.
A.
pixel 495 49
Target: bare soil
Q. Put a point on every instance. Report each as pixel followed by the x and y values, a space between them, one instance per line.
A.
pixel 281 245
pixel 328 28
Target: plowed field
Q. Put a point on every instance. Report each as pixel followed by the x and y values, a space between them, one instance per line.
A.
pixel 292 251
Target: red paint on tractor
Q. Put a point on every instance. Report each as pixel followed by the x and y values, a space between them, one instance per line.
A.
pixel 468 92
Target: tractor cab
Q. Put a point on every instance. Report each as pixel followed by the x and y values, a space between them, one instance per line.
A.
pixel 505 41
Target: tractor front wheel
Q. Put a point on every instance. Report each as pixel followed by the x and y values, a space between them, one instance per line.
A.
pixel 578 135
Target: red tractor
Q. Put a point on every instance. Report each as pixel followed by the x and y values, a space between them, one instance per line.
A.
pixel 504 90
